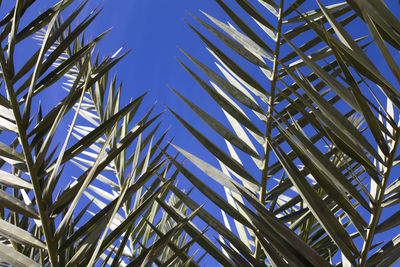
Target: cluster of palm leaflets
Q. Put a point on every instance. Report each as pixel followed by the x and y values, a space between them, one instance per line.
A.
pixel 109 213
pixel 312 103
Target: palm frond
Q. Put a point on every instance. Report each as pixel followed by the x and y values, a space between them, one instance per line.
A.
pixel 108 214
pixel 315 112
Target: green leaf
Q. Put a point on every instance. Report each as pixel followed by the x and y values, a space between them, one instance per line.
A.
pixel 216 151
pixel 293 7
pixel 240 44
pixel 86 141
pixel 232 65
pixel 12 232
pixel 13 157
pixel 253 12
pixel 387 21
pixel 210 220
pixel 316 13
pixel 387 255
pixel 336 121
pixel 17 205
pixel 225 85
pixel 9 180
pixel 335 85
pixel 10 256
pixel 63 68
pixel 225 104
pixel 235 256
pixel 330 188
pixel 286 234
pixel 324 164
pixel 131 218
pixel 194 232
pixel 92 222
pixel 318 207
pixel 359 63
pixel 247 30
pixel 316 40
pixel 219 127
pixel 389 223
pixel 206 190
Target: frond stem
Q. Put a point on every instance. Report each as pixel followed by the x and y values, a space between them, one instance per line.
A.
pixel 44 218
pixel 267 149
pixel 377 209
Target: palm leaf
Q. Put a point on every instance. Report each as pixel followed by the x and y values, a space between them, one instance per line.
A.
pixel 318 159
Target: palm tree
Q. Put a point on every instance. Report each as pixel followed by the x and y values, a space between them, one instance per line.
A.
pixel 108 214
pixel 310 94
